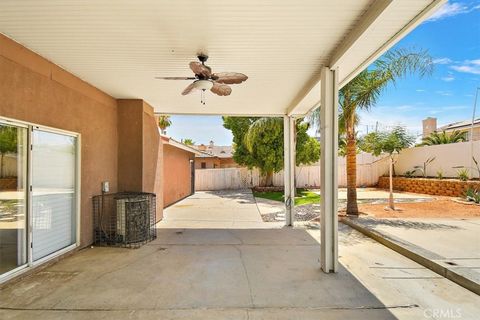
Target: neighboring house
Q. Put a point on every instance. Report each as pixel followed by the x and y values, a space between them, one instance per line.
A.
pixel 178 170
pixel 213 157
pixel 430 125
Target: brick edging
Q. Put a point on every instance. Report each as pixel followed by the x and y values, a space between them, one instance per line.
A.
pixel 432 186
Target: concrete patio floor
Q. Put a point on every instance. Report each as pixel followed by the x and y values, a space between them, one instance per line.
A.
pixel 215 259
pixel 452 243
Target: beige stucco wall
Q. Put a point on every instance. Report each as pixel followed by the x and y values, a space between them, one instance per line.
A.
pixel 210 163
pixel 447 156
pixel 120 139
pixel 35 90
pixel 140 150
pixel 215 163
pixel 176 174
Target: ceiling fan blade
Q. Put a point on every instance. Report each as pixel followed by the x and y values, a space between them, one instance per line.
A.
pixel 200 69
pixel 188 89
pixel 221 89
pixel 229 77
pixel 175 78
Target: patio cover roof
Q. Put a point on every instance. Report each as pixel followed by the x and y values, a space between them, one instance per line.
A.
pixel 120 46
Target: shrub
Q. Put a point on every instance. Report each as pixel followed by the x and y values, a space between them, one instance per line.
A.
pixel 423 168
pixel 472 195
pixel 440 174
pixel 462 174
pixel 410 173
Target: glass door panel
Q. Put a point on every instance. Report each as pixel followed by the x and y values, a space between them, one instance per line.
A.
pixel 13 191
pixel 53 192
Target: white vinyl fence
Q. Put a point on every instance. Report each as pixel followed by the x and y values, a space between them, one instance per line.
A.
pixel 9 165
pixel 369 168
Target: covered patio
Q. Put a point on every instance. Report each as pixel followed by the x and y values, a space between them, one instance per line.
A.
pixel 296 56
pixel 89 69
pixel 226 266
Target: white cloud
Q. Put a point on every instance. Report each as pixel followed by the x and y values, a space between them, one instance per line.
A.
pixel 442 61
pixel 448 78
pixel 443 93
pixel 405 107
pixel 450 10
pixel 420 90
pixel 447 109
pixel 468 66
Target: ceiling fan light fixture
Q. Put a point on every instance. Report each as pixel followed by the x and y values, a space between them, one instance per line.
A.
pixel 203 84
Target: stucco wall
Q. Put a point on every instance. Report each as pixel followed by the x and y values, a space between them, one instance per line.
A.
pixel 152 162
pixel 139 150
pixel 176 174
pixel 447 156
pixel 35 90
pixel 228 163
pixel 210 163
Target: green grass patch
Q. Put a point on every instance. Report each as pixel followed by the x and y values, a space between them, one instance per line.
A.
pixel 303 197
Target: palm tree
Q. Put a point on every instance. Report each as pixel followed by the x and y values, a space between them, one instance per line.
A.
pixel 188 142
pixel 444 138
pixel 257 132
pixel 362 93
pixel 163 123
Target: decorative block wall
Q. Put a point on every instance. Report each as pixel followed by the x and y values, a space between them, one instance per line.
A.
pixel 438 187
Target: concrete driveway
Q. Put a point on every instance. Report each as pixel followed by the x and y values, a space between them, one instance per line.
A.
pixel 234 272
pixel 215 209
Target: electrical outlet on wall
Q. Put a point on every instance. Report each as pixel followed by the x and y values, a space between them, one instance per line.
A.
pixel 105 186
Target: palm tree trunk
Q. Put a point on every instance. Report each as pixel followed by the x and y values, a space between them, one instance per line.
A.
pixel 269 179
pixel 352 207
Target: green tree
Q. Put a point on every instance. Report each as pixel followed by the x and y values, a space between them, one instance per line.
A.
pixel 188 142
pixel 444 138
pixel 8 143
pixel 389 142
pixel 163 123
pixel 362 93
pixel 258 142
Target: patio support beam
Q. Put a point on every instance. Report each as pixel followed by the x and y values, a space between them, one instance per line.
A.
pixel 289 168
pixel 328 169
pixel 357 35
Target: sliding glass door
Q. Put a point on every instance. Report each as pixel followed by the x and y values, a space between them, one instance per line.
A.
pixel 53 192
pixel 13 195
pixel 38 195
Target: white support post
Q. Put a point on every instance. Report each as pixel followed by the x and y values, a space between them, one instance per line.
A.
pixel 329 169
pixel 289 168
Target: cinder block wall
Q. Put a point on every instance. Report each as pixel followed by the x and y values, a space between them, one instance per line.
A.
pixel 438 187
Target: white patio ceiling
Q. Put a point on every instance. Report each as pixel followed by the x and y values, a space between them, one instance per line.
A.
pixel 120 46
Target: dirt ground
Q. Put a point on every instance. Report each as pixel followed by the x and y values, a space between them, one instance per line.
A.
pixel 440 208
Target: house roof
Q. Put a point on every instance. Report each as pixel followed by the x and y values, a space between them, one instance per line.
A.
pixel 216 151
pixel 460 125
pixel 282 46
pixel 174 143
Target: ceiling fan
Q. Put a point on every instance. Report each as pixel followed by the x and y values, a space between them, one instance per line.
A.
pixel 204 79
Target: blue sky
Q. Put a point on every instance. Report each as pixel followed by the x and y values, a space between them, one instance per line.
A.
pixel 452 37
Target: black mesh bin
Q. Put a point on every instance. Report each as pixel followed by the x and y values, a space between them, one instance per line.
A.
pixel 125 219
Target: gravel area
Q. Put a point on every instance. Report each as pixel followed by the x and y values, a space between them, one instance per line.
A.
pixel 302 213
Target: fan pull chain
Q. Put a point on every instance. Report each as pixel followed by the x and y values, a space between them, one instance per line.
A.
pixel 202 97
